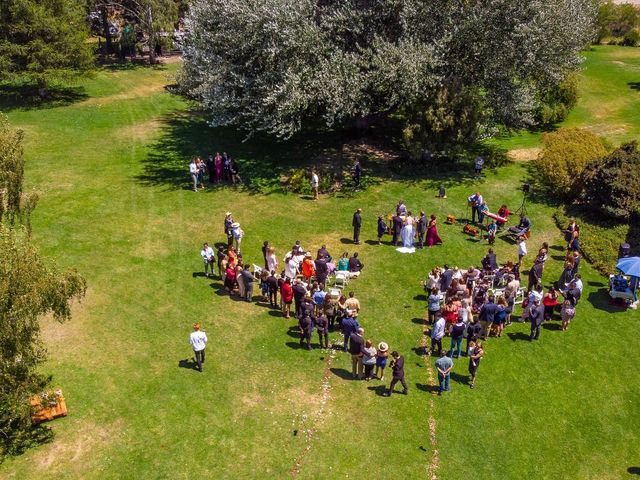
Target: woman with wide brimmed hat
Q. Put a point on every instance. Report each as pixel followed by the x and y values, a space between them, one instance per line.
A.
pixel 381 359
pixel 237 233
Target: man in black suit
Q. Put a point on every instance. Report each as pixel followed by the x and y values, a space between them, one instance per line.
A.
pixel 536 316
pixel 397 226
pixel 357 223
pixel 306 329
pixel 422 228
pixel 535 275
pixel 397 366
pixel 299 291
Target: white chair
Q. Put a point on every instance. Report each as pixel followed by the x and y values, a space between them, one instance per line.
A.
pixel 257 271
pixel 519 296
pixel 341 279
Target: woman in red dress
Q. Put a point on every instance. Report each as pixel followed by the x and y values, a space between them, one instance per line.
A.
pixel 432 232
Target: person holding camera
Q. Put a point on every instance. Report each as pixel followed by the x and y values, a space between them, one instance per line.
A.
pixel 397 367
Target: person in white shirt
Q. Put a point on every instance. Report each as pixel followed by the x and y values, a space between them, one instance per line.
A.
pixel 522 248
pixel 193 170
pixel 437 333
pixel 290 267
pixel 198 341
pixel 475 201
pixel 237 233
pixel 209 259
pixel 315 183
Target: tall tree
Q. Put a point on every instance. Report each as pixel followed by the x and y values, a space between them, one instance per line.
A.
pixel 30 287
pixel 270 65
pixel 40 39
pixel 149 16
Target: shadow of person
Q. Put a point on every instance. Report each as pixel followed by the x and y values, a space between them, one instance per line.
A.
pixel 427 388
pixel 518 336
pixel 189 364
pixel 633 470
pixel 459 378
pixel 342 373
pixel 379 390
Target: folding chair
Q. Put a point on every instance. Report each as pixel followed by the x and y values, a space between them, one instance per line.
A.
pixel 341 279
pixel 257 271
pixel 519 296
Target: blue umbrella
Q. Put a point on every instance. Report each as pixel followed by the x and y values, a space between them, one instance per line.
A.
pixel 629 266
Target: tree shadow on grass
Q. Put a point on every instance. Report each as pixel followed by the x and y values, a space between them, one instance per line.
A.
pixel 262 160
pixel 26 97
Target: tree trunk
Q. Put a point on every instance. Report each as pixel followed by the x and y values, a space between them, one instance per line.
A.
pixel 152 37
pixel 106 30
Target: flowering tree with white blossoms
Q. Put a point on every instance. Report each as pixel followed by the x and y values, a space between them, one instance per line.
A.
pixel 271 65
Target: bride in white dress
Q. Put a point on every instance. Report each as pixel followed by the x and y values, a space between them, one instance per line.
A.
pixel 407 234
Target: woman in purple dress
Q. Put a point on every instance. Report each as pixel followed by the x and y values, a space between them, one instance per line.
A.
pixel 432 232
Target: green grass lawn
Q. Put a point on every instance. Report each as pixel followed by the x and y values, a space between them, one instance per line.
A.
pixel 111 170
pixel 609 92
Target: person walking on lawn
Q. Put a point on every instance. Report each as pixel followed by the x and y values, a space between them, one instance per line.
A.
pixel 397 367
pixel 198 341
pixel 476 352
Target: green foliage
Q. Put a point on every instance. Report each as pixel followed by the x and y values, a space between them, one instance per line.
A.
pixel 599 240
pixel 558 101
pixel 29 289
pixel 300 181
pixel 565 154
pixel 273 65
pixel 616 20
pixel 43 39
pixel 612 183
pixel 449 121
pixel 631 38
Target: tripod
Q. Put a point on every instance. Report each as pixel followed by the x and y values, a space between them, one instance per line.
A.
pixel 522 209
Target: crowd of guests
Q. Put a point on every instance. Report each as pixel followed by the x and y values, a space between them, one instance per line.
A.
pixel 299 287
pixel 216 169
pixel 477 303
pixel 473 304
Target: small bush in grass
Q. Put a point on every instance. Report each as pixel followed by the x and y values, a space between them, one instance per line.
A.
pixel 563 158
pixel 631 39
pixel 558 101
pixel 612 184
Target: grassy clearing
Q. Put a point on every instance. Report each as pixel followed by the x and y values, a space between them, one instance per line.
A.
pixel 116 205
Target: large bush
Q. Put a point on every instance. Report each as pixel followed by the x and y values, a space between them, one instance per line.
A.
pixel 561 162
pixel 612 184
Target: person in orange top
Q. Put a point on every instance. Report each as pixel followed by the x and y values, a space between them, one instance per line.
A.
pixel 308 267
pixel 233 257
